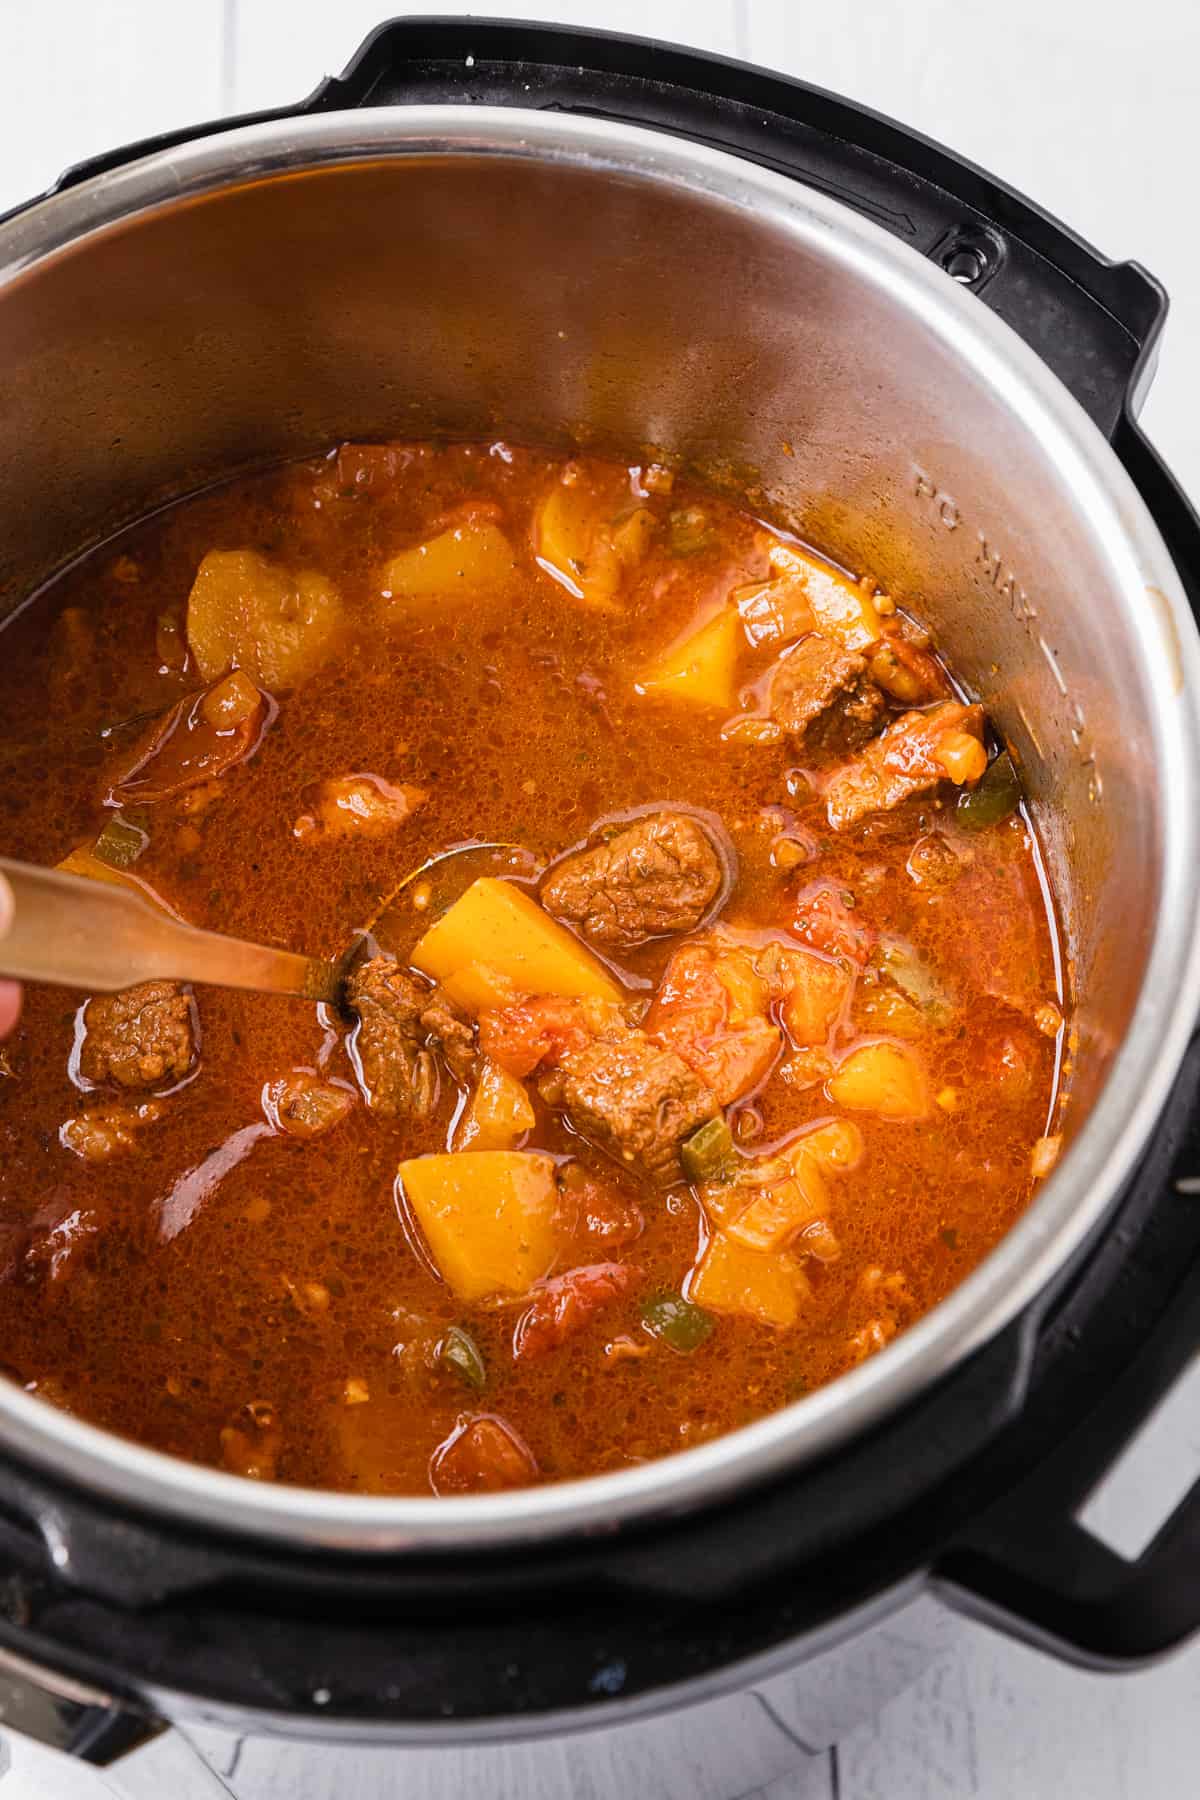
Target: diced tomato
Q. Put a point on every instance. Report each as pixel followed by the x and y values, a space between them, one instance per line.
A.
pixel 690 984
pixel 538 1033
pixel 824 919
pixel 810 990
pixel 561 1306
pixel 738 1061
pixel 482 1455
pixel 197 740
pixel 594 1214
pixel 711 1009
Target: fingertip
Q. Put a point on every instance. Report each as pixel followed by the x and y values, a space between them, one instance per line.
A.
pixel 10 1006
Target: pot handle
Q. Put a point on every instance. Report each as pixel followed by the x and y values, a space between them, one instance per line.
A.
pixel 1169 506
pixel 47 1717
pixel 1033 1569
pixel 1029 1564
pixel 69 1716
pixel 1095 322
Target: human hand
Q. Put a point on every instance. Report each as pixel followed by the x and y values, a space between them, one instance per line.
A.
pixel 10 991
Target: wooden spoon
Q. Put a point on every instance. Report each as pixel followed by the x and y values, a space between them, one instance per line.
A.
pixel 101 937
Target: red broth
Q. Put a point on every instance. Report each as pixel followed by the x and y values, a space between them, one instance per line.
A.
pixel 218 1259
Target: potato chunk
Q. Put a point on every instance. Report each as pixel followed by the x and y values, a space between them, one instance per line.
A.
pixel 782 1209
pixel 245 612
pixel 502 929
pixel 499 1113
pixel 763 1285
pixel 471 558
pixel 881 1078
pixel 783 1201
pixel 699 668
pixel 836 1147
pixel 487 1217
pixel 589 531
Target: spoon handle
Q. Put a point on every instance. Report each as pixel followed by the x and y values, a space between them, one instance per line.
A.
pixel 100 936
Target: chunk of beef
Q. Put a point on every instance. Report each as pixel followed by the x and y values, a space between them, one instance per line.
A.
pixel 634 1098
pixel 400 1020
pixel 139 1038
pixel 398 1070
pixel 453 1034
pixel 905 760
pixel 305 1106
pixel 661 874
pixel 823 697
pixel 104 1131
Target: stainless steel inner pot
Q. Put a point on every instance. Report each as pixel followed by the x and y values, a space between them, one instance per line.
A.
pixel 481 271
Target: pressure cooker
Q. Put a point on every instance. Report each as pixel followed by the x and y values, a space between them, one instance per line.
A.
pixel 580 239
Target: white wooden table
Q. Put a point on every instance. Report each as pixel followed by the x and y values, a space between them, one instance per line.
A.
pixel 1091 107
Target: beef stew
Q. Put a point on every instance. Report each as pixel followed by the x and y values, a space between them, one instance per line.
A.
pixel 706 1021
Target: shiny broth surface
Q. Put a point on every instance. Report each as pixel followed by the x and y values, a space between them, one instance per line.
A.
pixel 825 940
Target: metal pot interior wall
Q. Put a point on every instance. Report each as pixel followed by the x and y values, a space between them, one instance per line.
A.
pixel 459 294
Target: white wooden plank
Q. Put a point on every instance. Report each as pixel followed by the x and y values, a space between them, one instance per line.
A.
pixel 168 1765
pixel 275 62
pixel 826 1696
pixel 994 1720
pixel 30 1772
pixel 1090 115
pixel 730 1748
pixel 82 77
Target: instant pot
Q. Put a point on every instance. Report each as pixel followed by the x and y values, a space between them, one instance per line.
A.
pixel 580 239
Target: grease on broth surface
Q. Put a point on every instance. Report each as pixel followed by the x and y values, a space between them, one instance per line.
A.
pixel 736 1057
